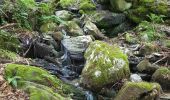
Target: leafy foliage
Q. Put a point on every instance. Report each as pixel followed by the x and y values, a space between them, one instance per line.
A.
pixel 13 80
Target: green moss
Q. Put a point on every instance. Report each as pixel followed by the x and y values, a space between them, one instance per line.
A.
pixel 132 90
pixel 41 92
pixel 67 3
pixel 39 76
pixel 167 43
pixel 162 76
pixel 8 41
pixel 5 54
pixel 105 65
pixel 86 5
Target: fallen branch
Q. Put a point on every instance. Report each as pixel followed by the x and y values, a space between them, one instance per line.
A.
pixel 8 25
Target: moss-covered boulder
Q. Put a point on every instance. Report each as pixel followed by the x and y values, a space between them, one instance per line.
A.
pixel 64 15
pixel 41 83
pixel 105 65
pixel 162 76
pixel 139 91
pixel 142 8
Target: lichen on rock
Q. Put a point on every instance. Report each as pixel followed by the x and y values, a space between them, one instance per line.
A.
pixel 105 64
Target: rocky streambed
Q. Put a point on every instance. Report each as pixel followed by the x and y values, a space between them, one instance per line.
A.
pixel 86 49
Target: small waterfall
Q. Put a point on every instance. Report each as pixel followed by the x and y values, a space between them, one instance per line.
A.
pixel 89 95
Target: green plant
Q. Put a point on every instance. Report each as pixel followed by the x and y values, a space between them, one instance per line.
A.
pixel 156 18
pixel 13 80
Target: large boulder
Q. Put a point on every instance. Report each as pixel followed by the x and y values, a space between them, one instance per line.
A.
pixel 162 76
pixel 40 84
pixel 106 19
pixel 76 46
pixel 105 65
pixel 139 91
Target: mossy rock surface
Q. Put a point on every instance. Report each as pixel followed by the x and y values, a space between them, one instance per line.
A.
pixel 142 8
pixel 120 5
pixel 33 75
pixel 162 76
pixel 79 4
pixel 138 91
pixel 105 64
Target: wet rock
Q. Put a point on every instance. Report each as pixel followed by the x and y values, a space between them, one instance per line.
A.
pixel 40 84
pixel 64 15
pixel 73 29
pixel 106 19
pixel 120 5
pixel 135 78
pixel 91 29
pixel 139 91
pixel 146 67
pixel 105 65
pixel 76 46
pixel 162 76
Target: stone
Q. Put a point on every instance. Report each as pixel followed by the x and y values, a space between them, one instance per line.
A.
pixel 105 65
pixel 120 5
pixel 48 27
pixel 76 46
pixel 162 76
pixel 139 91
pixel 64 15
pixel 146 67
pixel 41 84
pixel 135 78
pixel 106 19
pixel 58 36
pixel 91 29
pixel 73 29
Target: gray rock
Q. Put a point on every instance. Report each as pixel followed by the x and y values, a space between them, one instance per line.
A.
pixel 135 78
pixel 76 46
pixel 91 29
pixel 74 29
pixel 106 19
pixel 64 15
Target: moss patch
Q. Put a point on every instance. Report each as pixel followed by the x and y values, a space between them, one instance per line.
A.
pixel 5 54
pixel 39 76
pixel 162 76
pixel 133 91
pixel 105 65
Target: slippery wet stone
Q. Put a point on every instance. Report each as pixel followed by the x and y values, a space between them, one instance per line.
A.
pixel 139 91
pixel 76 46
pixel 105 65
